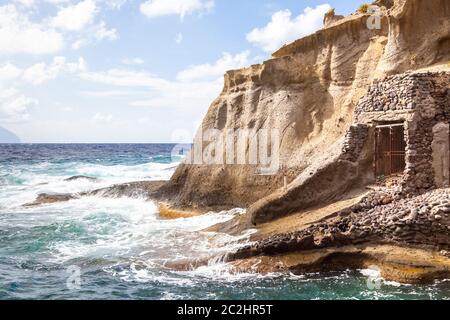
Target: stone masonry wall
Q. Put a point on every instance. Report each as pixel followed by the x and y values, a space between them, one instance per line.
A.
pixel 421 100
pixel 390 94
pixel 432 107
pixel 354 142
pixel 406 91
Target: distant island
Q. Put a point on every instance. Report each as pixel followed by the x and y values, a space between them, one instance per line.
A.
pixel 7 136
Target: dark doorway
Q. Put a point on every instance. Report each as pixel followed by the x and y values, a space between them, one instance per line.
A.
pixel 390 148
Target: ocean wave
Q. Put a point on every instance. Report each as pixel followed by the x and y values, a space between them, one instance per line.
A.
pixel 23 183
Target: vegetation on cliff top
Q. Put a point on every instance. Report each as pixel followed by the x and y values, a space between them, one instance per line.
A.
pixel 364 8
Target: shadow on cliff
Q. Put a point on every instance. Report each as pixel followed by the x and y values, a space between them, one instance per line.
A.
pixel 326 180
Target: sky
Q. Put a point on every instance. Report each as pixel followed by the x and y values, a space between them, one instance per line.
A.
pixel 133 71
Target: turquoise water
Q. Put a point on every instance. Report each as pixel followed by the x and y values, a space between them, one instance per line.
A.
pixel 103 248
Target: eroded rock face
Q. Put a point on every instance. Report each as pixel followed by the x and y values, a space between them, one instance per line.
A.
pixel 308 91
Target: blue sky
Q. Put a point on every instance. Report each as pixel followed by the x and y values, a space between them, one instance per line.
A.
pixel 133 71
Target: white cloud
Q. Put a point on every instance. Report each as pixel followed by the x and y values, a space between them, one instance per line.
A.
pixel 17 105
pixel 58 1
pixel 79 43
pixel 110 93
pixel 179 38
pixel 101 118
pixel 115 4
pixel 158 92
pixel 26 3
pixel 156 8
pixel 180 94
pixel 67 109
pixel 103 33
pixel 97 32
pixel 144 120
pixel 195 74
pixel 14 105
pixel 133 61
pixel 41 72
pixel 183 95
pixel 9 71
pixel 208 71
pixel 19 35
pixel 282 29
pixel 125 78
pixel 75 17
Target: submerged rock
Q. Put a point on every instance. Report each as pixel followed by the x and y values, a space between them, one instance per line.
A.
pixel 139 189
pixel 46 198
pixel 74 178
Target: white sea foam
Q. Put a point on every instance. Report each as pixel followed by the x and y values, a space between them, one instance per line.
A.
pixel 375 274
pixel 130 229
pixel 371 272
pixel 38 179
pixel 122 173
pixel 125 231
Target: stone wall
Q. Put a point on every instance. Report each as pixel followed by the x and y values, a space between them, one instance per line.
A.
pixel 390 94
pixel 441 151
pixel 406 92
pixel 432 107
pixel 421 100
pixel 354 142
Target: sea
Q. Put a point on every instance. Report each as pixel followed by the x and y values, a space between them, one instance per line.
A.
pixel 97 247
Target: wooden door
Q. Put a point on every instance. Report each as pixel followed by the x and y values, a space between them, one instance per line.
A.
pixel 389 149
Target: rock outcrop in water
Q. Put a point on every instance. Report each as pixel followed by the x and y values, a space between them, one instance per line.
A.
pixel 138 189
pixel 47 198
pixel 76 178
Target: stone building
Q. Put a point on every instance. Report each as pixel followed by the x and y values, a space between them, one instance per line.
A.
pixel 403 122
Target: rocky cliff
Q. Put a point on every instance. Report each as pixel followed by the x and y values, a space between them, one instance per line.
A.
pixel 308 92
